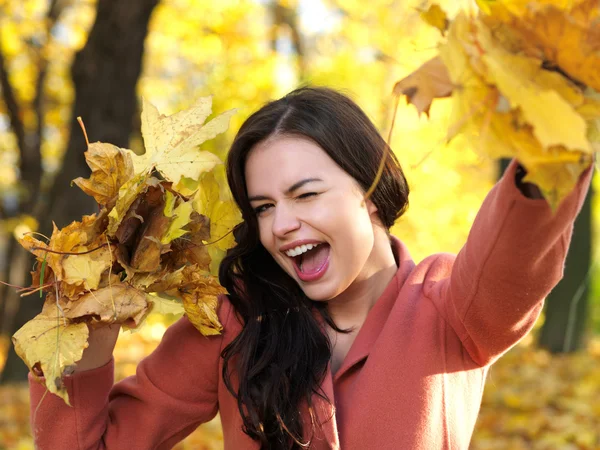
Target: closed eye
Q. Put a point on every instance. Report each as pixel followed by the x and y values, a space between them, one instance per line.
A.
pixel 308 195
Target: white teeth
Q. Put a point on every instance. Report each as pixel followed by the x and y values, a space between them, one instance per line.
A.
pixel 300 249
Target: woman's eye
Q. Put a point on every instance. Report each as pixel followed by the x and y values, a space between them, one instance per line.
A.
pixel 307 195
pixel 262 208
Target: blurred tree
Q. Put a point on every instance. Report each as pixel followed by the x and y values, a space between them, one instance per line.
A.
pixel 568 304
pixel 105 73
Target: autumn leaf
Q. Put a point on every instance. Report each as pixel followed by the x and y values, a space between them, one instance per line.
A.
pixel 53 343
pixel 147 248
pixel 116 303
pixel 86 269
pixel 172 142
pixel 515 75
pixel 507 98
pixel 179 215
pixel 428 82
pixel 128 193
pixel 223 217
pixel 111 168
pixel 436 17
pixel 163 305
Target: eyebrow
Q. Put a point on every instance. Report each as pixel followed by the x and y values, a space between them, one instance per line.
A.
pixel 290 190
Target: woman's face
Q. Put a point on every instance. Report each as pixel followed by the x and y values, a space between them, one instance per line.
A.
pixel 311 215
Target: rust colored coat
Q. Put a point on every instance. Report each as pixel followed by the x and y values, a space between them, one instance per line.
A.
pixel 413 378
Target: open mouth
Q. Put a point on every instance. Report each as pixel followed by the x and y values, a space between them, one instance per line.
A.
pixel 312 263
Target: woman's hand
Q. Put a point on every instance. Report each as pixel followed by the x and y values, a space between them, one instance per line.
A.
pixel 102 341
pixel 529 190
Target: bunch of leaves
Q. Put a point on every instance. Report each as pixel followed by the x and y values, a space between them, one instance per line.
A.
pixel 161 231
pixel 524 77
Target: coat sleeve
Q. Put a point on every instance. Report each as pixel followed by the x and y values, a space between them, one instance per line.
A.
pixel 173 392
pixel 513 257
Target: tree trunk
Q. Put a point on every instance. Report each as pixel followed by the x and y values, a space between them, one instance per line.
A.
pixel 105 73
pixel 567 305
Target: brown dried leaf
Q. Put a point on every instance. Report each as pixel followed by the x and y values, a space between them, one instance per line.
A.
pixel 111 168
pixel 116 303
pixel 428 82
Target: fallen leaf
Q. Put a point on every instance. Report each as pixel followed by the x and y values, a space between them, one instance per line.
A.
pixel 172 142
pixel 149 247
pixel 164 305
pixel 515 77
pixel 200 309
pixel 52 342
pixel 428 82
pixel 223 216
pixel 111 168
pixel 116 303
pixel 87 269
pixel 436 17
pixel 128 193
pixel 179 217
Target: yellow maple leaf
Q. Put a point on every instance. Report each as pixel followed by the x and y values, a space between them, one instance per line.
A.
pixel 563 33
pixel 223 216
pixel 472 97
pixel 111 168
pixel 163 304
pixel 201 311
pixel 172 142
pixel 179 215
pixel 436 17
pixel 86 269
pixel 515 75
pixel 52 342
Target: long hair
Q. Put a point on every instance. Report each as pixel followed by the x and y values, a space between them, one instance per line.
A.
pixel 281 355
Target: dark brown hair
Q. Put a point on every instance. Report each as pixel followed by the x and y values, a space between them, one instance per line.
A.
pixel 281 355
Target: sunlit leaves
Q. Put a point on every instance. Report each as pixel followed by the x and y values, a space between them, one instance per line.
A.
pixel 148 238
pixel 53 343
pixel 507 98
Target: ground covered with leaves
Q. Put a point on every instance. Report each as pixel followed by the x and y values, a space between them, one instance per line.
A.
pixel 532 400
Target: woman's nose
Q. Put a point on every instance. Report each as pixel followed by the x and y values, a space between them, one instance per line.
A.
pixel 285 220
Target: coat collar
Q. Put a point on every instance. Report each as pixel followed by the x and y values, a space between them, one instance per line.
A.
pixel 361 346
pixel 378 315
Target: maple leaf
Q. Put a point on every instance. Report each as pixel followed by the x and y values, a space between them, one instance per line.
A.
pixel 436 17
pixel 223 216
pixel 179 215
pixel 115 303
pixel 515 77
pixel 172 142
pixel 166 305
pixel 507 103
pixel 53 343
pixel 428 82
pixel 86 269
pixel 111 168
pixel 563 33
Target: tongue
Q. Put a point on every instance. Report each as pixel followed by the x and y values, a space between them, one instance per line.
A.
pixel 314 259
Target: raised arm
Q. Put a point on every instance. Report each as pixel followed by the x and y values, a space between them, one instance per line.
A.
pixel 514 256
pixel 174 390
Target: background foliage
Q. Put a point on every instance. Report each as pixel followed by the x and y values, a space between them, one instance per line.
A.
pixel 244 53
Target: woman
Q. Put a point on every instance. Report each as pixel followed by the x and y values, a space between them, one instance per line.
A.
pixel 333 337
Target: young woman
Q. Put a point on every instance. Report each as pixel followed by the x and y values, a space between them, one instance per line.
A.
pixel 333 337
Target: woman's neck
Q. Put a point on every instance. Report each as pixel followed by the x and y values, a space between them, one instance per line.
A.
pixel 351 307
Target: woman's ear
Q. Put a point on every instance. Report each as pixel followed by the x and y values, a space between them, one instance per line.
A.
pixel 371 208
